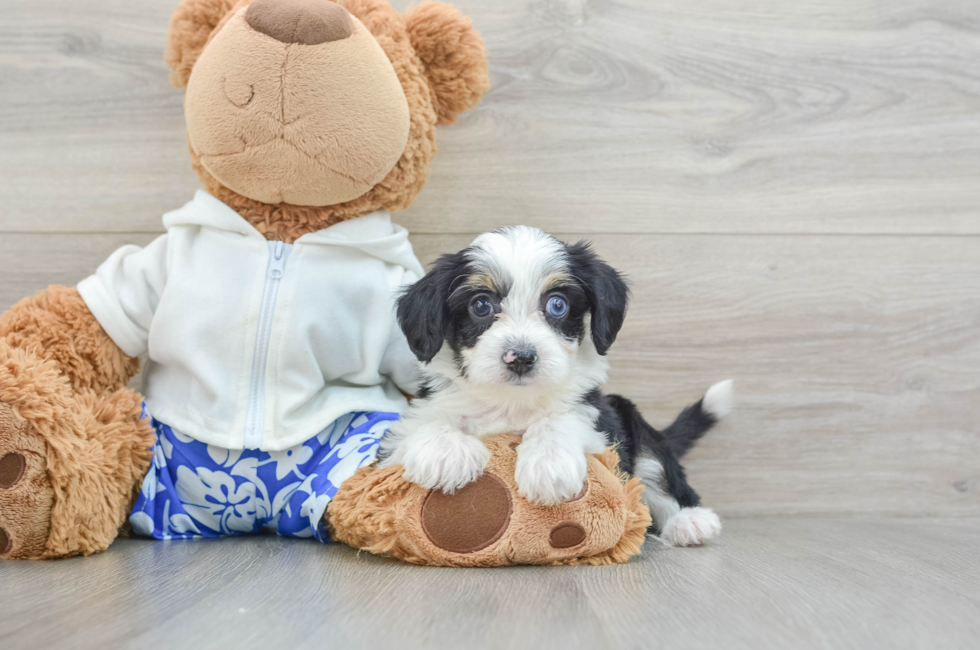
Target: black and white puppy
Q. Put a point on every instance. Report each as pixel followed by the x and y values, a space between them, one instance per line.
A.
pixel 512 333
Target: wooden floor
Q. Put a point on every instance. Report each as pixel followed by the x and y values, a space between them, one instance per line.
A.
pixel 793 189
pixel 863 583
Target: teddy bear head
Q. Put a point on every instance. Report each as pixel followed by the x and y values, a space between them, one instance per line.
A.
pixel 304 113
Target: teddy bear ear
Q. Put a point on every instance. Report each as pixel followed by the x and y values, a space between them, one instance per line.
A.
pixel 190 27
pixel 454 57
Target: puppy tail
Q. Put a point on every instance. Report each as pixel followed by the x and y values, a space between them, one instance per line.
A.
pixel 693 422
pixel 697 419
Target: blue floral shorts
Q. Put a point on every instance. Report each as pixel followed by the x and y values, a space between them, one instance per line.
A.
pixel 198 490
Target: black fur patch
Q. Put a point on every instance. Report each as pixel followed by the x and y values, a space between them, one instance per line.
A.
pixel 425 390
pixel 572 326
pixel 644 440
pixel 423 310
pixel 464 328
pixel 625 427
pixel 436 310
pixel 605 291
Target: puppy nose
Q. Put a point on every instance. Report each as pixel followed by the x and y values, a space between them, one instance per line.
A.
pixel 520 362
pixel 307 22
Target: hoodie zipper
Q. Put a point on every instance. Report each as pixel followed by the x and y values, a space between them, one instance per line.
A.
pixel 255 412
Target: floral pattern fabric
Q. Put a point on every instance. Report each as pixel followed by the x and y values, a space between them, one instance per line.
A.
pixel 198 490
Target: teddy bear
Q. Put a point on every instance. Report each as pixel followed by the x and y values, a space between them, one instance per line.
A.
pixel 274 362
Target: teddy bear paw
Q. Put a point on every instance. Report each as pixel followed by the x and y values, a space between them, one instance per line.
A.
pixel 26 495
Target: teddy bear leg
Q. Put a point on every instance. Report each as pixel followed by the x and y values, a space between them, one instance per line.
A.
pixel 69 462
pixel 26 495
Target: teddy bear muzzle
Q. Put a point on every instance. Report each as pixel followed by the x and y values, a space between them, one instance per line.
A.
pixel 294 101
pixel 307 22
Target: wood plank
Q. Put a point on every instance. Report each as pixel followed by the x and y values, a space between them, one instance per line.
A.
pixel 855 359
pixel 800 583
pixel 818 116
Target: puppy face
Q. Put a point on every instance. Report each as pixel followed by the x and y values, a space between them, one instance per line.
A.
pixel 518 307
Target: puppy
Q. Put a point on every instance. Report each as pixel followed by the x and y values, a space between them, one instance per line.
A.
pixel 512 334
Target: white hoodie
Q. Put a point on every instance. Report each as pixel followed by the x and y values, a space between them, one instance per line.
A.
pixel 259 344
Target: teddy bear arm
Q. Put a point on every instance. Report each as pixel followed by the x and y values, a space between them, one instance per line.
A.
pixel 56 325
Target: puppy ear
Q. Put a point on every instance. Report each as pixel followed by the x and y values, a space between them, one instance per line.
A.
pixel 606 292
pixel 191 25
pixel 423 310
pixel 454 57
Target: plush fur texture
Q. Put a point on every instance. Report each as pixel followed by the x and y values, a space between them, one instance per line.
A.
pixel 88 451
pixel 453 57
pixel 281 122
pixel 65 409
pixel 379 511
pixel 191 26
pixel 56 325
pixel 25 505
pixel 439 80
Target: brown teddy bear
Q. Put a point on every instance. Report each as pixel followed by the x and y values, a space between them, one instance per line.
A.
pixel 265 314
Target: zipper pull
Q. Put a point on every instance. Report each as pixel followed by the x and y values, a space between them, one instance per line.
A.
pixel 278 261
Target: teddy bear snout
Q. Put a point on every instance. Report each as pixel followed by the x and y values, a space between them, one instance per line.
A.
pixel 307 22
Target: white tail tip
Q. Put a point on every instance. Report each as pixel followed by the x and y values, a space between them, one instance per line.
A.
pixel 719 399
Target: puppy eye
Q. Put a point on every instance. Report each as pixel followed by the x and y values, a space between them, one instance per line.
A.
pixel 557 307
pixel 481 307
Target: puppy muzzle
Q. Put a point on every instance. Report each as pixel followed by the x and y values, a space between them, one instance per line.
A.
pixel 520 362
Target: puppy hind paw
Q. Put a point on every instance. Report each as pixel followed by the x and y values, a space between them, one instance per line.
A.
pixel 691 527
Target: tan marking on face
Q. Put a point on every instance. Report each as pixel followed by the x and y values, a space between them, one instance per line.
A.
pixel 556 279
pixel 482 281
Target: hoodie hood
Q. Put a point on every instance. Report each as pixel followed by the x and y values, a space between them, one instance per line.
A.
pixel 374 233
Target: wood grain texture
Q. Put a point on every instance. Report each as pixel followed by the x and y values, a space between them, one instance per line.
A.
pixel 792 188
pixel 817 116
pixel 766 583
pixel 855 359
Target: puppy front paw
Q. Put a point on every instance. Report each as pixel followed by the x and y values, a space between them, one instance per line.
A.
pixel 446 462
pixel 548 475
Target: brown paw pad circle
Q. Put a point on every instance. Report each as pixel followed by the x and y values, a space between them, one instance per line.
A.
pixel 470 519
pixel 566 535
pixel 11 470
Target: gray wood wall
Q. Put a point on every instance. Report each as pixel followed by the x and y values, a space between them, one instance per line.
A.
pixel 793 187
